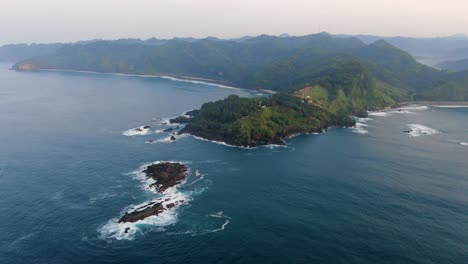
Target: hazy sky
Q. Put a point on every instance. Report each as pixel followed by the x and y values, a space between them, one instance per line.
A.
pixel 70 20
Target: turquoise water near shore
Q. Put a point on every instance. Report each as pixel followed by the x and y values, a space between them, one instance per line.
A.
pixel 66 174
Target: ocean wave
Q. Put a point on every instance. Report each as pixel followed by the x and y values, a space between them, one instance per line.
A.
pixel 219 215
pixel 171 196
pixel 463 143
pixel 360 128
pixel 137 131
pixel 417 130
pixel 273 146
pixel 182 79
pixel 400 112
pixel 378 113
pixel 128 231
pixel 364 119
pixel 219 142
pixel 450 106
pixel 414 107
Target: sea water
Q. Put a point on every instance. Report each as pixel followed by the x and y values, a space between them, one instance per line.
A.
pixel 69 169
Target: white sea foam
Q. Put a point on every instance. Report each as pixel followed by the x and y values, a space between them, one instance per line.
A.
pixel 164 140
pixel 378 113
pixel 417 130
pixel 115 230
pixel 450 106
pixel 219 215
pixel 137 131
pixel 364 119
pixel 360 128
pixel 119 231
pixel 273 146
pixel 219 142
pixel 400 112
pixel 414 107
pixel 463 143
pixel 183 79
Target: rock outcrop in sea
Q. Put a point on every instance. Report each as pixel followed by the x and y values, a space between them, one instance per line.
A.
pixel 165 175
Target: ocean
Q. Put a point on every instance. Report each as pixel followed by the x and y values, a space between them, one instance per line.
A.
pixel 69 165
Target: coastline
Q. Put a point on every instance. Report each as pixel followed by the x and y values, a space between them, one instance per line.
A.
pixel 187 79
pixel 434 103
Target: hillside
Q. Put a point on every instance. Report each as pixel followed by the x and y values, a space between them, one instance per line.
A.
pixel 251 122
pixel 430 51
pixel 18 52
pixel 277 63
pixel 454 66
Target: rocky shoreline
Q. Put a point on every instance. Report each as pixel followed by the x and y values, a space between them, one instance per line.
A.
pixel 219 136
pixel 166 175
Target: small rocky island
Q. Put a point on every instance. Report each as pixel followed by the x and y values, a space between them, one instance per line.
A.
pixel 165 175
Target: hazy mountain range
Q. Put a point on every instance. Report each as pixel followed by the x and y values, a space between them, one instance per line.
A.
pixel 346 63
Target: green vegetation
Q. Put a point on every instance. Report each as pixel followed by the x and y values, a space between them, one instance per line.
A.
pixel 370 76
pixel 454 66
pixel 257 121
pixel 322 80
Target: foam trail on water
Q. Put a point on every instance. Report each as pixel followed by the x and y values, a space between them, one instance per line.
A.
pixel 378 114
pixel 137 131
pixel 172 196
pixel 417 130
pixel 414 107
pixel 450 106
pixel 463 143
pixel 360 128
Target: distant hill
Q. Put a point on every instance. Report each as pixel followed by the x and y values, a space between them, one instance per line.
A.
pixel 454 66
pixel 430 51
pixel 362 75
pixel 17 52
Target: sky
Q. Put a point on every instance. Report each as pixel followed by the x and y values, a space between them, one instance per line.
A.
pixel 46 21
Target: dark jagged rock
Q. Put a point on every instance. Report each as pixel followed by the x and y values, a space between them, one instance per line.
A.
pixel 166 174
pixel 146 127
pixel 173 138
pixel 171 129
pixel 361 114
pixel 153 208
pixel 407 131
pixel 192 113
pixel 180 120
pixel 141 214
pixel 126 230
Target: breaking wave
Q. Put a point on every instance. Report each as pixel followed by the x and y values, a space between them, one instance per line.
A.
pixel 378 114
pixel 360 128
pixel 450 106
pixel 417 130
pixel 413 107
pixel 127 231
pixel 137 131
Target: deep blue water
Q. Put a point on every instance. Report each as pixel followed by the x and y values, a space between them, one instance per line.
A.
pixel 338 197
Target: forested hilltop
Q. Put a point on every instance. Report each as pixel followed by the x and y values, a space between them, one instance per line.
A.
pixel 270 62
pixel 250 122
pixel 321 79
